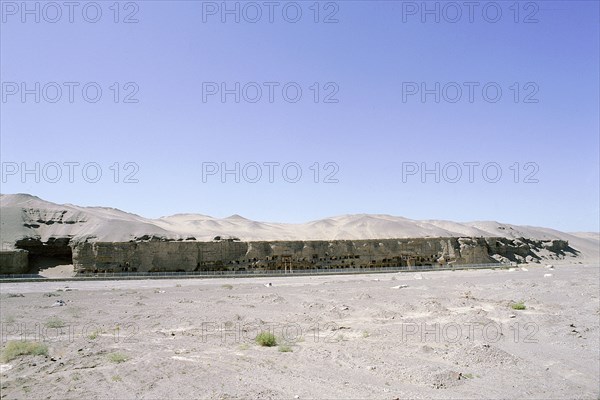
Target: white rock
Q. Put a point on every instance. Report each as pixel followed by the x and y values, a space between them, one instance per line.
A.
pixel 524 269
pixel 4 368
pixel 547 275
pixel 399 287
pixel 418 276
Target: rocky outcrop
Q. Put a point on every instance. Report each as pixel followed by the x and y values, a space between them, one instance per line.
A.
pixel 186 256
pixel 529 250
pixel 161 255
pixel 155 254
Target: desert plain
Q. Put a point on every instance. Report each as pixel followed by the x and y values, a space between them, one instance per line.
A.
pixel 441 334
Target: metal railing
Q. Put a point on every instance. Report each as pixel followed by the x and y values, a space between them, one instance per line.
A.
pixel 255 273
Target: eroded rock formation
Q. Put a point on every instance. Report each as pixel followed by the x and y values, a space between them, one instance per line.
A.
pixel 97 239
pixel 188 256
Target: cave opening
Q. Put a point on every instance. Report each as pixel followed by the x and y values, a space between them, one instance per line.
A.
pixel 44 255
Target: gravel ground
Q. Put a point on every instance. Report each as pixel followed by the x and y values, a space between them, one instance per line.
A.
pixel 448 334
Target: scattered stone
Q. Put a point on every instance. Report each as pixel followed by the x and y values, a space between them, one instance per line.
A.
pixel 399 287
pixel 547 275
pixel 59 303
pixel 524 269
pixel 338 328
pixel 512 316
pixel 268 284
pixel 4 368
pixel 418 276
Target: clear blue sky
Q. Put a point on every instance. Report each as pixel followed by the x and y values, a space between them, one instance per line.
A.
pixel 372 57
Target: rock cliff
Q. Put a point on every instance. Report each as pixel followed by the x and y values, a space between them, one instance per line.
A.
pixel 35 233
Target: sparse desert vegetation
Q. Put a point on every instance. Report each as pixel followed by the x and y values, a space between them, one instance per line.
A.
pixel 55 322
pixel 266 339
pixel 16 348
pixel 284 348
pixel 94 335
pixel 117 357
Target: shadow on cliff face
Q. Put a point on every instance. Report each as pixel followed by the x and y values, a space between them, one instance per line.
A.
pixel 50 254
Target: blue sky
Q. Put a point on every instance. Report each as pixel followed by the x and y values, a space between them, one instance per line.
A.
pixel 366 130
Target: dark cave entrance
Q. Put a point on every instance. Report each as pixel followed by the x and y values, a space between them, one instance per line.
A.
pixel 50 254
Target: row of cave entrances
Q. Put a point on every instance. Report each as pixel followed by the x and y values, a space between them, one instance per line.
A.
pixel 280 265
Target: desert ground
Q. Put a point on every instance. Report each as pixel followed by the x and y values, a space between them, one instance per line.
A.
pixel 446 334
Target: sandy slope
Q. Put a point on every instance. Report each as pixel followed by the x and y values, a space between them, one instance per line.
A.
pixel 352 337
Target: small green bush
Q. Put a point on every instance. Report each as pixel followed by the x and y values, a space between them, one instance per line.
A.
pixel 284 348
pixel 266 339
pixel 117 357
pixel 17 348
pixel 227 286
pixel 518 306
pixel 94 335
pixel 55 322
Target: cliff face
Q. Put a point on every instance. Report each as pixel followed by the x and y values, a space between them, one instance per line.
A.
pixel 14 262
pixel 234 255
pixel 156 255
pixel 529 250
pixel 152 256
pixel 106 239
